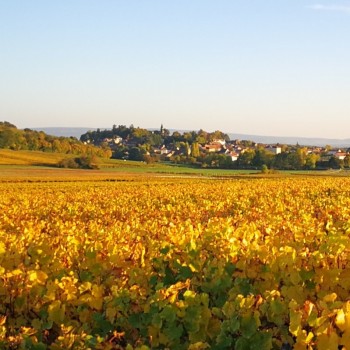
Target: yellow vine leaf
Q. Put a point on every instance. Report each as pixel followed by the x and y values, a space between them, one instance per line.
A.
pixel 38 276
pixel 328 342
pixel 56 311
pixel 345 339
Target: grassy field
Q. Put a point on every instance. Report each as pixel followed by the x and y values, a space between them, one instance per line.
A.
pixel 9 157
pixel 18 173
pixel 41 166
pixel 32 166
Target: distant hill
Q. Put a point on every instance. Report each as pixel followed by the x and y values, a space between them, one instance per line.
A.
pixel 66 132
pixel 306 141
pixel 303 141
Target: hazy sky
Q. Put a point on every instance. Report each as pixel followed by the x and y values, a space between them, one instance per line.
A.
pixel 268 67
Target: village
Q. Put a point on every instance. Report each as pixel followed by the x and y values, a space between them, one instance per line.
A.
pixel 213 150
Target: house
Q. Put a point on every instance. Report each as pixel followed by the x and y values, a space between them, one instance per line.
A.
pixel 213 147
pixel 333 152
pixel 274 149
pixel 221 141
pixel 337 153
pixel 164 150
pixel 117 140
pixel 233 155
pixel 169 155
pixel 340 155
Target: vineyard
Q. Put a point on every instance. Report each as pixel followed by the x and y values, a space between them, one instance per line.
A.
pixel 164 263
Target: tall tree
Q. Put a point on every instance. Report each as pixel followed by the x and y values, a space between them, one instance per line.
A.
pixel 195 150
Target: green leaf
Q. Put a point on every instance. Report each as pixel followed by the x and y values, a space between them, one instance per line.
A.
pixel 248 326
pixel 220 299
pixel 192 318
pixel 244 286
pixel 135 320
pixel 307 274
pixel 47 325
pixel 153 280
pixel 243 344
pixel 102 326
pixel 169 277
pixel 39 346
pixel 184 273
pixel 173 331
pixel 91 341
pixel 277 307
pixel 261 341
pixel 168 313
pixel 165 250
pixel 265 268
pixel 85 276
pixel 157 321
pixel 234 324
pixel 230 268
pixel 223 341
pixel 20 302
pixel 91 254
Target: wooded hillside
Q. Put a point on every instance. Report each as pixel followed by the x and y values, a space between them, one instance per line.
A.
pixel 16 139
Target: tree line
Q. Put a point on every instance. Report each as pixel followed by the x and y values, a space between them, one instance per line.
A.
pixel 16 139
pixel 151 138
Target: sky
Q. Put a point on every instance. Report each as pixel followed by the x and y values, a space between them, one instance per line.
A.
pixel 259 67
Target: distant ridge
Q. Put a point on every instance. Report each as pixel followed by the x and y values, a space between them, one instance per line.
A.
pixel 303 141
pixel 66 131
pixel 292 140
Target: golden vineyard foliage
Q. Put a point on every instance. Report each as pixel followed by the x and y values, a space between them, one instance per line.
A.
pixel 176 264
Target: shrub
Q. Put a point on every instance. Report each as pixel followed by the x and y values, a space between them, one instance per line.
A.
pixel 68 163
pixel 78 163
